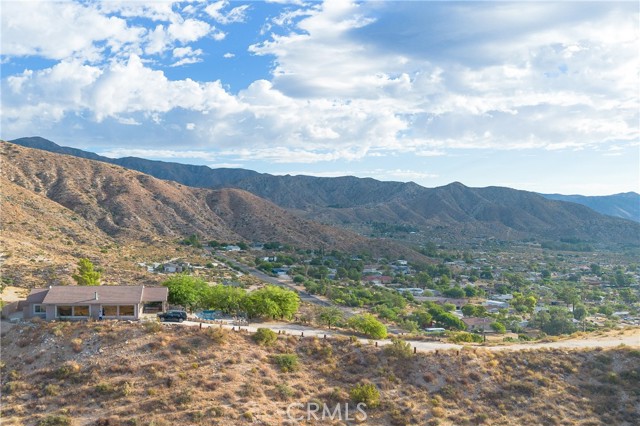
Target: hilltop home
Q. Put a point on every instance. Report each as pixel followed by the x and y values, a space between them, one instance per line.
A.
pixel 84 302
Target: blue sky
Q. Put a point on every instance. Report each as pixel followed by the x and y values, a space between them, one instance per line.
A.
pixel 541 96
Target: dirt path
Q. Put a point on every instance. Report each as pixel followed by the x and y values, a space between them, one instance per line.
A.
pixel 629 337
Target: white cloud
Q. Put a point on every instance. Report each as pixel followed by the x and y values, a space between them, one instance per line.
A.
pixel 228 55
pixel 219 35
pixel 42 28
pixel 158 153
pixel 346 84
pixel 188 30
pixel 237 14
pixel 181 52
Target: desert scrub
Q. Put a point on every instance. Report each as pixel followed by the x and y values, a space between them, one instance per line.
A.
pixel 284 391
pixel 104 388
pixel 51 390
pixel 217 335
pixel 286 362
pixel 367 393
pixel 69 370
pixel 76 345
pixel 464 337
pixel 152 327
pixel 54 420
pixel 264 336
pixel 398 349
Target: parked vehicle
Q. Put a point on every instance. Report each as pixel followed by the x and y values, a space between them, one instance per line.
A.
pixel 177 316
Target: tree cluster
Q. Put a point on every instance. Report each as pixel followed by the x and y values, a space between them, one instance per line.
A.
pixel 268 302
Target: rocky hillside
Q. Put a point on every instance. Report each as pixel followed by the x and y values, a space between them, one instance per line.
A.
pixel 110 373
pixel 453 212
pixel 127 204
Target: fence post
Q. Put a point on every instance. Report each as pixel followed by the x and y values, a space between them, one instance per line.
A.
pixel 415 349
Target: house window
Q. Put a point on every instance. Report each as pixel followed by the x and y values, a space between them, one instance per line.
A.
pixel 65 311
pixel 110 310
pixel 72 311
pixel 39 309
pixel 80 311
pixel 127 311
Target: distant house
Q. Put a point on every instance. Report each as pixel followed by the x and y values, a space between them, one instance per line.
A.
pixel 378 279
pixel 84 302
pixel 178 267
pixel 478 324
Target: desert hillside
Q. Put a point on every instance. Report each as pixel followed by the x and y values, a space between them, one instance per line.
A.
pixel 453 212
pixel 135 374
pixel 57 208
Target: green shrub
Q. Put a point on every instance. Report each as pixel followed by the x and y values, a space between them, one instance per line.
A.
pixel 284 391
pixel 286 362
pixel 55 420
pixel 367 393
pixel 152 327
pixel 498 327
pixel 217 335
pixel 399 349
pixel 464 337
pixel 68 370
pixel 104 388
pixel 264 336
pixel 51 390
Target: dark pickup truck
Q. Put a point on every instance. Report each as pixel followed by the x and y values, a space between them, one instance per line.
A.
pixel 177 316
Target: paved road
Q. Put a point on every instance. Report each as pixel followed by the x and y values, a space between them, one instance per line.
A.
pixel 632 340
pixel 304 296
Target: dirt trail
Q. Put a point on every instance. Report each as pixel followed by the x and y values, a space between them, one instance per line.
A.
pixel 630 337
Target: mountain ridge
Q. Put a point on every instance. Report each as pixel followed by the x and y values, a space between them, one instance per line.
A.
pixel 452 211
pixel 124 203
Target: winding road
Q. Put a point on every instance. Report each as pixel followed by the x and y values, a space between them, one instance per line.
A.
pixel 304 296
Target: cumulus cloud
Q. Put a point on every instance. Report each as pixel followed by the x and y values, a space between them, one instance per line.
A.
pixel 42 28
pixel 345 84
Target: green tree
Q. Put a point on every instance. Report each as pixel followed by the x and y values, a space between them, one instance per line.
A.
pixel 454 292
pixel 523 303
pixel 468 310
pixel 422 318
pixel 271 302
pixel 86 274
pixel 227 299
pixel 451 321
pixel 187 291
pixel 580 312
pixel 555 321
pixel 330 315
pixel 498 327
pixel 369 325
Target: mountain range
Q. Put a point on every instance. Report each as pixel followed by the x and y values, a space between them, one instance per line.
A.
pixel 453 212
pixel 91 200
